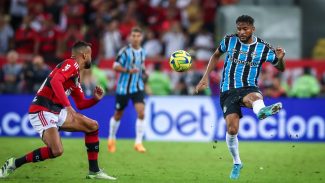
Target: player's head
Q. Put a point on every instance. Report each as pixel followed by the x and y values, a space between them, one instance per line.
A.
pixel 136 37
pixel 82 51
pixel 245 27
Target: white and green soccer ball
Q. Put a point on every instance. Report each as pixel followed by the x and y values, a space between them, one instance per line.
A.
pixel 180 61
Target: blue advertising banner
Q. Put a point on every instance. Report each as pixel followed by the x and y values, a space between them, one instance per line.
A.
pixel 176 118
pixel 15 122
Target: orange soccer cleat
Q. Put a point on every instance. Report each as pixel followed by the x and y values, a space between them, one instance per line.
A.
pixel 111 145
pixel 140 148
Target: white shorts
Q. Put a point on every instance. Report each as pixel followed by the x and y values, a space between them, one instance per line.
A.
pixel 44 120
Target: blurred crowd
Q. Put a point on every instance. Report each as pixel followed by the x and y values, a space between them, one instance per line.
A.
pixel 35 35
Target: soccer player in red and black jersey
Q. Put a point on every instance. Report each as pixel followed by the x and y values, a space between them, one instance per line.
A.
pixel 51 110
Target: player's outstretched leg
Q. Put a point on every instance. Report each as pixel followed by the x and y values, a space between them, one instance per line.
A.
pixel 269 110
pixel 255 100
pixel 79 122
pixel 52 150
pixel 37 155
pixel 8 168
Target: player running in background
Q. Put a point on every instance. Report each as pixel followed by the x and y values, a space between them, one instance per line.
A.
pixel 130 64
pixel 51 111
pixel 245 54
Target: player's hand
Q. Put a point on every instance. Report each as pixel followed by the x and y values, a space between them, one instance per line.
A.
pixel 203 84
pixel 133 70
pixel 280 52
pixel 98 93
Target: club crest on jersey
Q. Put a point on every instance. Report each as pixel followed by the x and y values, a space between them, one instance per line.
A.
pixel 66 67
pixel 68 92
pixel 253 55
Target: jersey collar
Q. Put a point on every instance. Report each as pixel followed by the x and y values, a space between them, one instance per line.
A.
pixel 255 40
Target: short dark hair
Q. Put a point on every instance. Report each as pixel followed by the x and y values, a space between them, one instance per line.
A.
pixel 80 44
pixel 137 29
pixel 245 18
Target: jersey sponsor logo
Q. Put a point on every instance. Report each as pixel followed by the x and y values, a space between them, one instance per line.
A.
pixel 248 63
pixel 66 68
pixel 68 92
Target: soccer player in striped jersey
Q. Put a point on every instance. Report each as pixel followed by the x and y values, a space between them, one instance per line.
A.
pixel 51 111
pixel 245 54
pixel 130 64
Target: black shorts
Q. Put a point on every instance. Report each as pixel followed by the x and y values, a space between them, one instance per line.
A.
pixel 231 101
pixel 121 101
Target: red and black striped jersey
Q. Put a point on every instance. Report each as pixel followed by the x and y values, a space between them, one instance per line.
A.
pixel 61 82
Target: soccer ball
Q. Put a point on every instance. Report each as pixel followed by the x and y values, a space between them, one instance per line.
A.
pixel 180 61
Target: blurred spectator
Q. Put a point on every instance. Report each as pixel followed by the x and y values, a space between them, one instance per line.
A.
pixel 322 92
pixel 152 45
pixel 69 37
pixel 38 16
pixel 48 39
pixel 74 11
pixel 181 88
pixel 192 78
pixel 174 39
pixel 101 11
pixel 18 10
pixel 52 7
pixel 275 90
pixel 4 7
pixel 152 16
pixel 266 78
pixel 203 45
pixel 94 37
pixel 88 82
pixel 195 18
pixel 129 20
pixel 100 77
pixel 214 81
pixel 11 71
pixel 305 85
pixel 209 12
pixel 26 38
pixel 6 35
pixel 34 74
pixel 172 12
pixel 112 39
pixel 159 82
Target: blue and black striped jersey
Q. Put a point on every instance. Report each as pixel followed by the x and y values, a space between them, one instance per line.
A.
pixel 129 58
pixel 243 62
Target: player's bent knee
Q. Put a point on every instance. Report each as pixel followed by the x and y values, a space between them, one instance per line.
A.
pixel 232 130
pixel 93 126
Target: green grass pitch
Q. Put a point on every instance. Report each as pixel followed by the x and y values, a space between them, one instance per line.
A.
pixel 173 162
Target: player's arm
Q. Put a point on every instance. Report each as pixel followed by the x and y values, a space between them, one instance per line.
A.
pixel 280 65
pixel 57 85
pixel 82 102
pixel 212 64
pixel 119 68
pixel 120 62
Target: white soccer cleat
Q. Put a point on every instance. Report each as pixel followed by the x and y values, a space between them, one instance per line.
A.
pixel 7 168
pixel 99 175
